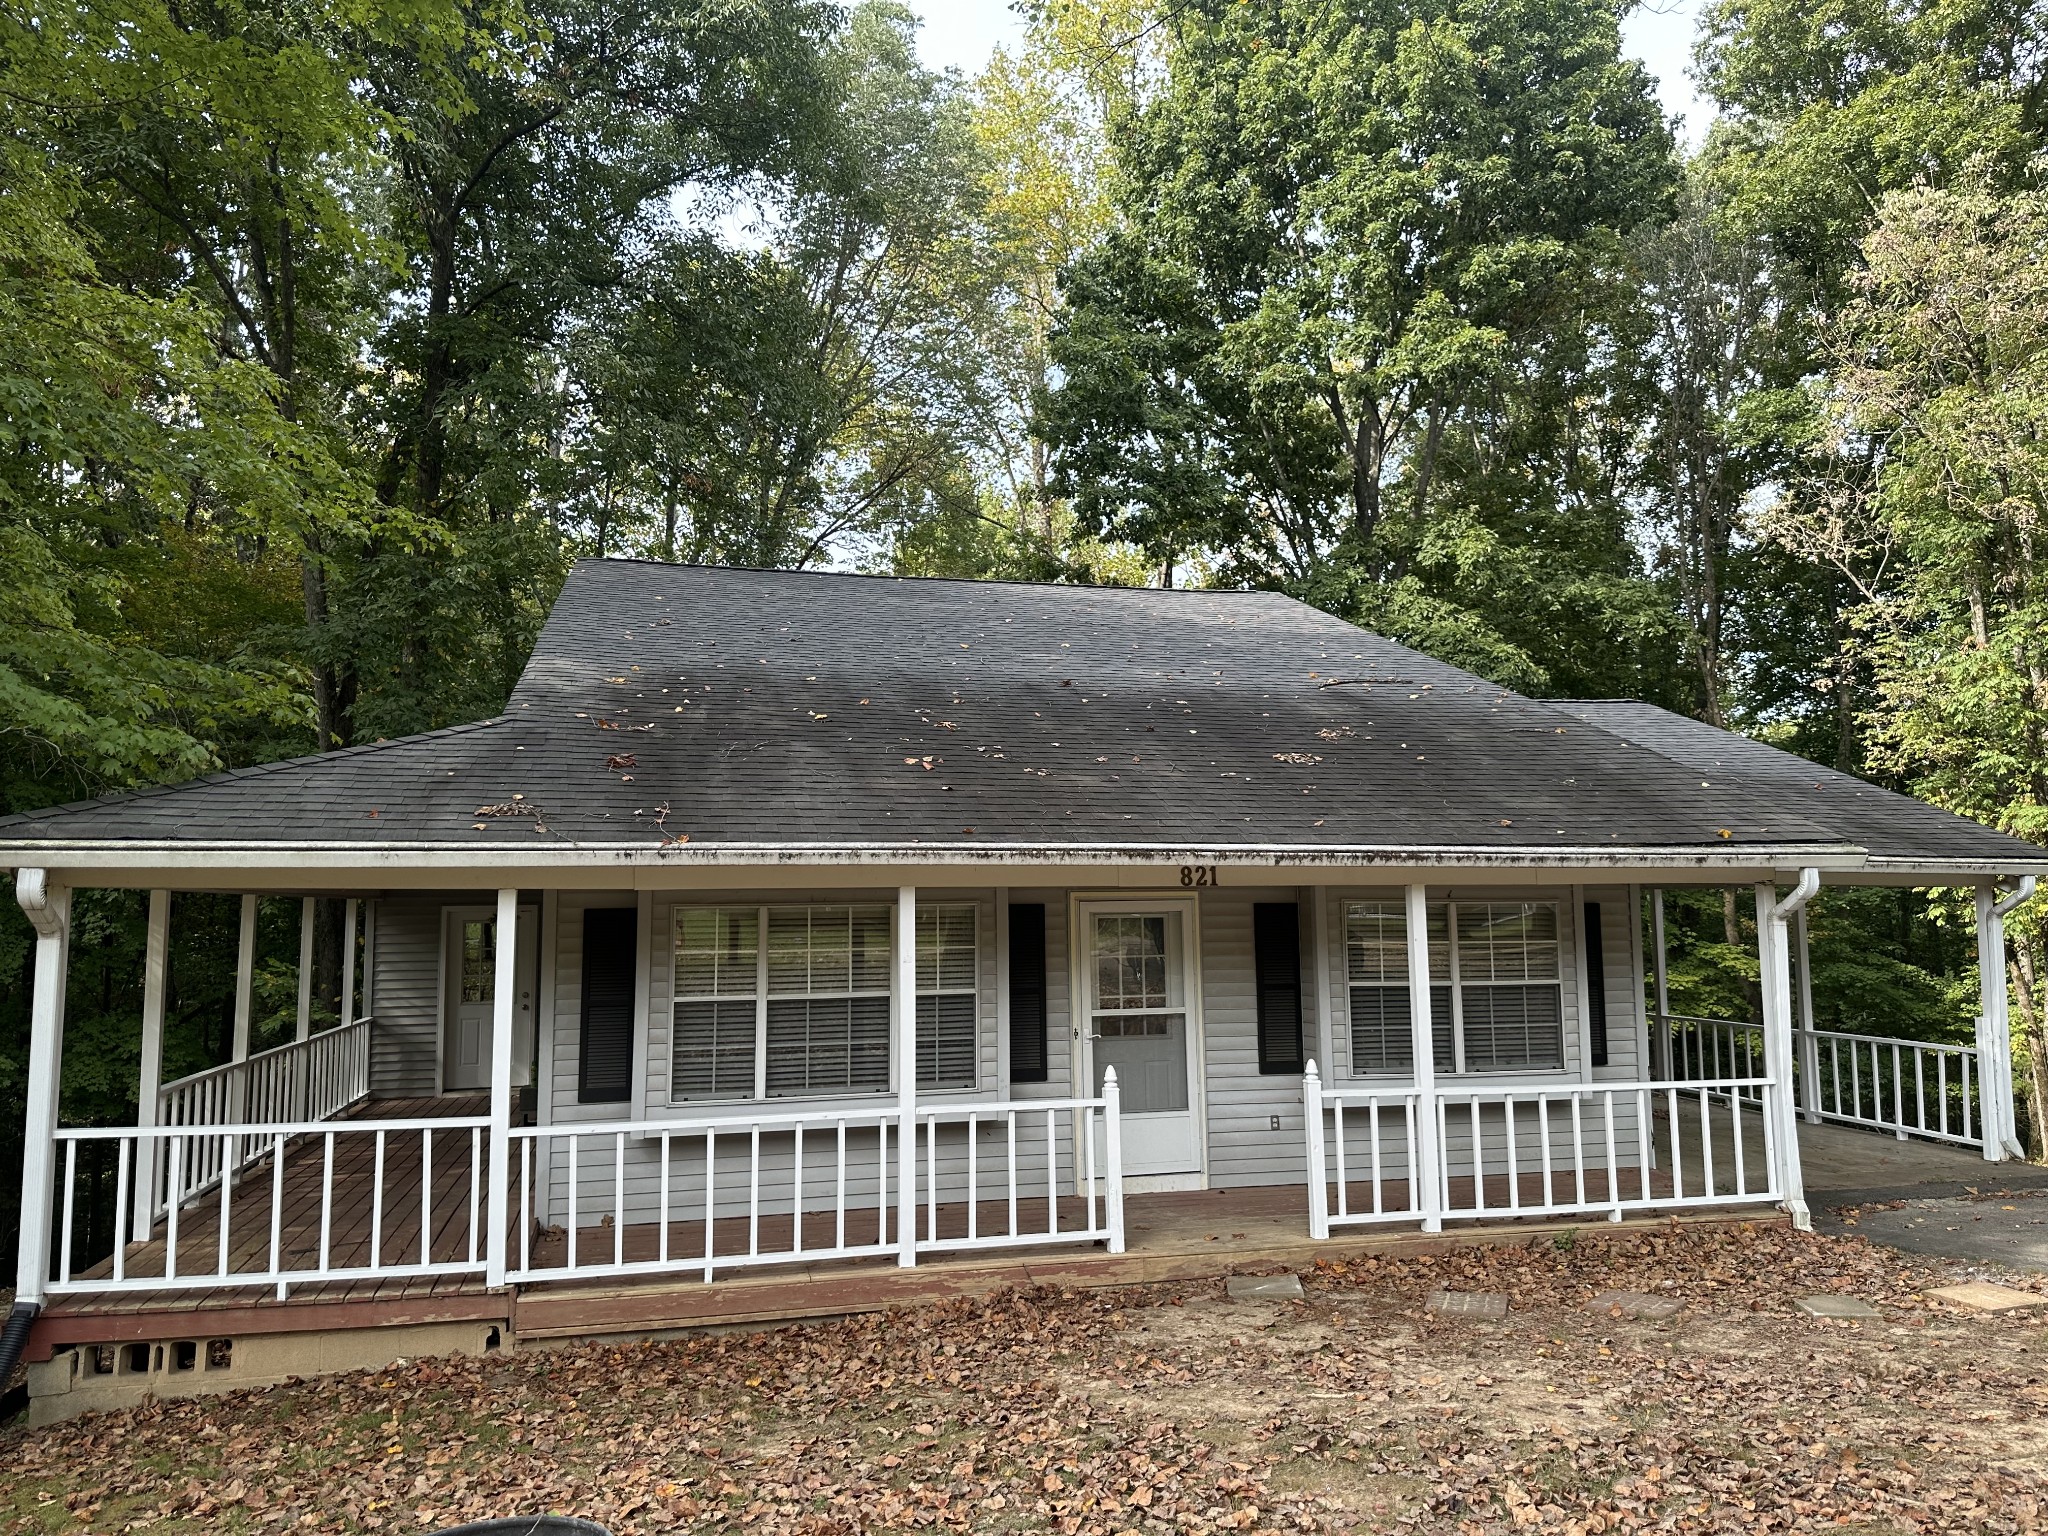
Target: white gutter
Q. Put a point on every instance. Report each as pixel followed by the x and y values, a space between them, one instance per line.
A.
pixel 115 853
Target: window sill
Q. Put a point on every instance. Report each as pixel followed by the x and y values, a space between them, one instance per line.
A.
pixel 741 1111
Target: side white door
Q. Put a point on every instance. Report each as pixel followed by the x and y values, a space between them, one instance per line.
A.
pixel 470 963
pixel 1137 1016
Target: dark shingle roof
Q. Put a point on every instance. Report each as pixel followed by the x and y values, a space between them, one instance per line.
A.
pixel 1892 826
pixel 809 709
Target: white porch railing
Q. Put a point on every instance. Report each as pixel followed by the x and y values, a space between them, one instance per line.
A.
pixel 303 1080
pixel 1696 1049
pixel 986 1197
pixel 1540 1149
pixel 1907 1087
pixel 342 1200
pixel 701 1194
pixel 1534 1149
pixel 1372 1134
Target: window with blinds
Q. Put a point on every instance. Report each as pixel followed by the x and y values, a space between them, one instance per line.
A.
pixel 776 1002
pixel 1496 998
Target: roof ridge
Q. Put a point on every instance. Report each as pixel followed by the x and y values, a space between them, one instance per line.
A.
pixel 955 581
pixel 248 771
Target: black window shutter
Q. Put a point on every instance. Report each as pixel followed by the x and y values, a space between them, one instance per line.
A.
pixel 1027 992
pixel 1596 985
pixel 1276 960
pixel 611 969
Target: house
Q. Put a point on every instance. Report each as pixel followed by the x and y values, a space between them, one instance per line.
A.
pixel 826 926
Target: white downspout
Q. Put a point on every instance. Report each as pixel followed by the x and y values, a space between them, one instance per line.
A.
pixel 1994 1021
pixel 49 912
pixel 1775 974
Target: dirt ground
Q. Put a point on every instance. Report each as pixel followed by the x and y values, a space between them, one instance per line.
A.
pixel 1166 1408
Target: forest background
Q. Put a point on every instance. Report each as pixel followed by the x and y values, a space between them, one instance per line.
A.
pixel 332 331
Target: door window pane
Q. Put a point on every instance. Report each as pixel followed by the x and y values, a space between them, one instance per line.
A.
pixel 479 960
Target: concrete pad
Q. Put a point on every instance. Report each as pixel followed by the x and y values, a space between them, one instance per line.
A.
pixel 1982 1296
pixel 1488 1304
pixel 1637 1304
pixel 1264 1287
pixel 1836 1306
pixel 2011 1231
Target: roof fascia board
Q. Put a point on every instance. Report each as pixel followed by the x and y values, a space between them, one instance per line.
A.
pixel 284 865
pixel 170 852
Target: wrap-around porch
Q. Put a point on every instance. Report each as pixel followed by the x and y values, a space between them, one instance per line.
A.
pixel 279 1179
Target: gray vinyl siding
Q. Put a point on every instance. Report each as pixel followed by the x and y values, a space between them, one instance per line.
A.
pixel 405 1044
pixel 1628 1032
pixel 1243 1147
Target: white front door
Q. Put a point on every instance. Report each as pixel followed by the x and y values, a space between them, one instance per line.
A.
pixel 471 963
pixel 1137 1018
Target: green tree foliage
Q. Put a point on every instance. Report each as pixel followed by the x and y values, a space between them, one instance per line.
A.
pixel 1351 325
pixel 1939 385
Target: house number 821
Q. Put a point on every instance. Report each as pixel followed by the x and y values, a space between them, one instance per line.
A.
pixel 1198 874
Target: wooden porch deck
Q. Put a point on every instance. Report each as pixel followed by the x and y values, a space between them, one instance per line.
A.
pixel 349 1220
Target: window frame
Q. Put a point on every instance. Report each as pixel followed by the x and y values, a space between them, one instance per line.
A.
pixel 762 995
pixel 1455 983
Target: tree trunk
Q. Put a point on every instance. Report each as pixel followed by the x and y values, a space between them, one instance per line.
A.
pixel 2033 1033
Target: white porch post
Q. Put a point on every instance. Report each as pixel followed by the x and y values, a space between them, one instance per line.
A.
pixel 1312 1123
pixel 906 1076
pixel 1319 951
pixel 348 961
pixel 49 910
pixel 149 1081
pixel 1809 1047
pixel 370 958
pixel 544 1052
pixel 1427 1178
pixel 307 915
pixel 504 987
pixel 245 1008
pixel 1994 1022
pixel 1668 1067
pixel 302 1087
pixel 1774 970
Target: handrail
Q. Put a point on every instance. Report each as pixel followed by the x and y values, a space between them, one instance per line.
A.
pixel 1899 1040
pixel 270 1128
pixel 228 1068
pixel 307 1080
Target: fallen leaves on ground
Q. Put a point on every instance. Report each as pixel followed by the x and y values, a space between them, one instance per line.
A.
pixel 1161 1408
